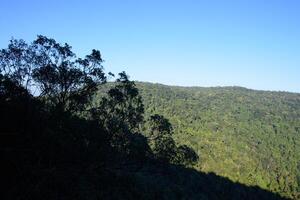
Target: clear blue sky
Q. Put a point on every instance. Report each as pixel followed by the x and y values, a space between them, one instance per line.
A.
pixel 250 43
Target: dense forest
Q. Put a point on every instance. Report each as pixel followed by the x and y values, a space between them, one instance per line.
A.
pixel 68 134
pixel 249 136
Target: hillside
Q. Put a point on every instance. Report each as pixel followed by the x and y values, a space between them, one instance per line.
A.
pixel 84 138
pixel 249 136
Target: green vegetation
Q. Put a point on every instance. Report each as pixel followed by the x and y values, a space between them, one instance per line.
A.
pixel 249 136
pixel 57 143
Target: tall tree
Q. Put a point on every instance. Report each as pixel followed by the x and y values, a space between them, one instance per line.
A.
pixel 17 63
pixel 65 82
pixel 160 138
pixel 163 145
pixel 123 107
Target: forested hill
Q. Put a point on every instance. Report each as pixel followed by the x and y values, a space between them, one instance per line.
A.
pixel 84 138
pixel 246 135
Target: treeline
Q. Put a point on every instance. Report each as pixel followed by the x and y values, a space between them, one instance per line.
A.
pixel 57 143
pixel 248 136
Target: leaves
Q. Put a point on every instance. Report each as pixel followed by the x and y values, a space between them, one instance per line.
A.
pixel 66 83
pixel 249 136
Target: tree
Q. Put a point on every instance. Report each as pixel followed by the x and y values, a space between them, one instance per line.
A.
pixel 123 108
pixel 160 126
pixel 186 155
pixel 163 145
pixel 65 82
pixel 160 138
pixel 16 62
pixel 120 112
pixel 15 106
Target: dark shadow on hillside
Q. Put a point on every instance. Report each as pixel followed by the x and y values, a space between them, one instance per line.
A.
pixel 54 155
pixel 149 181
pixel 65 176
pixel 177 182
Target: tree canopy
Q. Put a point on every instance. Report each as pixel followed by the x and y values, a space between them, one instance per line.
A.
pixel 67 133
pixel 53 71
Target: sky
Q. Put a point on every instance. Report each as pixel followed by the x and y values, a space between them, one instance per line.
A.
pixel 248 43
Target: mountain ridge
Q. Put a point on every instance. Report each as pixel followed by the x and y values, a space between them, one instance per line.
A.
pixel 248 136
pixel 216 87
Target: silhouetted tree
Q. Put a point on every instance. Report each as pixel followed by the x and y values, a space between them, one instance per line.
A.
pixel 163 145
pixel 65 82
pixel 186 155
pixel 159 125
pixel 120 112
pixel 17 62
pixel 160 138
pixel 122 108
pixel 14 105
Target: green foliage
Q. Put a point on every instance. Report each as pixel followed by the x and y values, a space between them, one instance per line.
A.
pixel 120 112
pixel 248 136
pixel 125 103
pixel 185 155
pixel 160 126
pixel 160 138
pixel 65 82
pixel 60 145
pixel 163 145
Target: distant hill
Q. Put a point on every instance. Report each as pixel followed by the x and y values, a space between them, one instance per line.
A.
pixel 249 136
